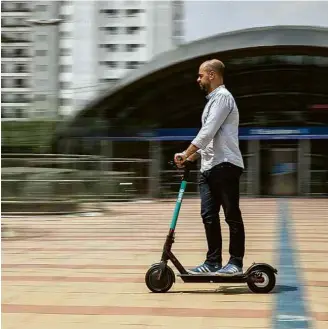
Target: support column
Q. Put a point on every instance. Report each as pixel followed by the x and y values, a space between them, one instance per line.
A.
pixel 107 166
pixel 154 181
pixel 253 166
pixel 304 166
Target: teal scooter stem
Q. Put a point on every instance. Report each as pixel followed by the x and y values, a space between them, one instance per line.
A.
pixel 176 212
pixel 167 253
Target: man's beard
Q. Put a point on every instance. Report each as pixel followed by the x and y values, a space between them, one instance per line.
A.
pixel 204 89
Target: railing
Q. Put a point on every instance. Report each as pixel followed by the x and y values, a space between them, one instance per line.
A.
pixel 170 181
pixel 81 178
pixel 88 178
pixel 319 183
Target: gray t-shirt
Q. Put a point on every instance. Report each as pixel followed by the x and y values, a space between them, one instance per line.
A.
pixel 217 139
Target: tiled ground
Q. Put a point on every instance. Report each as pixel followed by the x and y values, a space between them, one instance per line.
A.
pixel 83 272
pixel 310 224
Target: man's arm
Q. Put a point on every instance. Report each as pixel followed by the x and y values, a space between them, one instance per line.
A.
pixel 191 151
pixel 218 113
pixel 193 157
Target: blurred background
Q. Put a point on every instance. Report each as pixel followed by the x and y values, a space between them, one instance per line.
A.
pixel 97 96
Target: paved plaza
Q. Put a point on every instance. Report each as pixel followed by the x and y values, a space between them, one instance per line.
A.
pixel 67 272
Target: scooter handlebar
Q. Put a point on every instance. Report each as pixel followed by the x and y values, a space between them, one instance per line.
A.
pixel 186 169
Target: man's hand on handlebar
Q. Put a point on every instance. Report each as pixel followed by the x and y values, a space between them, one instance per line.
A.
pixel 179 159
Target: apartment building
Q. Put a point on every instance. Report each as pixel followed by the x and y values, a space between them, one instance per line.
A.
pixel 82 48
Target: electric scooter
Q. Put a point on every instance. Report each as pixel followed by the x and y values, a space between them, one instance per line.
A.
pixel 260 277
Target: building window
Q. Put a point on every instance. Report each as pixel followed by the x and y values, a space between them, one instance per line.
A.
pixel 133 29
pixel 64 101
pixel 65 17
pixel 20 53
pixel 3 112
pixel 6 98
pixel 7 112
pixel 19 83
pixel 110 47
pixel 132 47
pixel 20 113
pixel 41 52
pixel 40 98
pixel 22 6
pixel 42 82
pixel 65 68
pixel 110 64
pixel 65 52
pixel 22 98
pixel 132 65
pixel 21 68
pixel 41 8
pixel 42 37
pixel 41 68
pixel 64 85
pixel 110 12
pixel 112 30
pixel 64 34
pixel 134 12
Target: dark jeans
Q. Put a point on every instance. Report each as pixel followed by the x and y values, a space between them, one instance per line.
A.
pixel 219 186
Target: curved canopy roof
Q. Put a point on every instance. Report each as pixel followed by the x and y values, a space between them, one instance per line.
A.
pixel 258 61
pixel 271 36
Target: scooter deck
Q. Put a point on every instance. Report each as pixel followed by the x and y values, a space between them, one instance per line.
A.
pixel 212 278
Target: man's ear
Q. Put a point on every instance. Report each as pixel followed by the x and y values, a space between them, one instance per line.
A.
pixel 211 75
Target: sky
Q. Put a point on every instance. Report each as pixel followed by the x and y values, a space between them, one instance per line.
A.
pixel 205 18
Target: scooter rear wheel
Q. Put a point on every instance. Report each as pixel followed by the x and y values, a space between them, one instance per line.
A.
pixel 163 284
pixel 261 280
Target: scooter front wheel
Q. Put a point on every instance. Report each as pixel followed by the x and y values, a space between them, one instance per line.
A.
pixel 162 284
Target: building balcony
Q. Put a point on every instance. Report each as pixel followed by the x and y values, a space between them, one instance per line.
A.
pixel 16 89
pixel 15 74
pixel 140 37
pixel 16 103
pixel 15 28
pixel 132 56
pixel 16 44
pixel 10 55
pixel 15 13
pixel 122 21
pixel 5 38
pixel 16 59
pixel 17 8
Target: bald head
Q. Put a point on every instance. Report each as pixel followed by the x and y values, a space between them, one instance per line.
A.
pixel 214 65
pixel 210 75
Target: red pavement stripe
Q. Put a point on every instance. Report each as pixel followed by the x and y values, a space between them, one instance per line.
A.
pixel 321 316
pixel 184 231
pixel 145 311
pixel 74 266
pixel 55 278
pixel 249 250
pixel 38 239
pixel 114 267
pixel 115 238
pixel 100 279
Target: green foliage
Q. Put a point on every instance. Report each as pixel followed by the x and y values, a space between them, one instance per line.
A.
pixel 35 134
